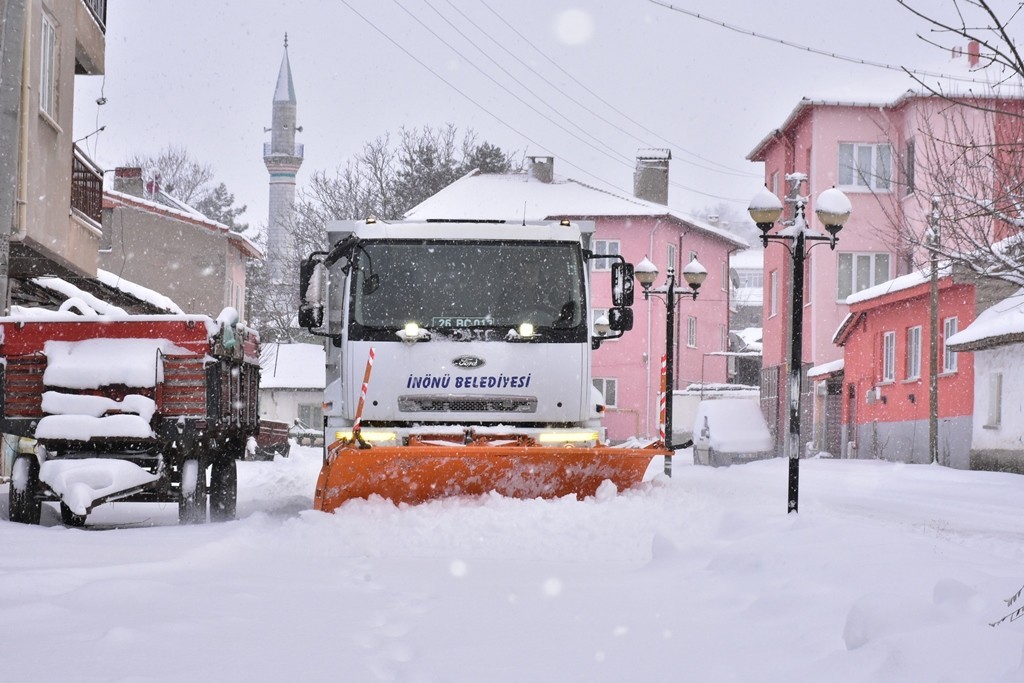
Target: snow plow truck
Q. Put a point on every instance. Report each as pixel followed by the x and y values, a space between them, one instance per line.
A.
pixel 136 408
pixel 459 361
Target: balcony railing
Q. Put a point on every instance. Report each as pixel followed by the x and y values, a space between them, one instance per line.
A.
pixel 86 187
pixel 296 153
pixel 98 8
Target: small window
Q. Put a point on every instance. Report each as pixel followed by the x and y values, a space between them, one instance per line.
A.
pixel 857 272
pixel 670 258
pixel 691 331
pixel 914 352
pixel 723 331
pixel 949 328
pixel 311 415
pixel 773 293
pixel 889 357
pixel 609 389
pixel 995 400
pixel 48 68
pixel 865 166
pixel 775 183
pixel 605 248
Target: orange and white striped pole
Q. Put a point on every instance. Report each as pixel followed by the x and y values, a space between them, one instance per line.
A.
pixel 661 399
pixel 357 426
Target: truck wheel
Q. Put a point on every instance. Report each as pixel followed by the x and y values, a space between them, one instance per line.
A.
pixel 192 493
pixel 70 518
pixel 24 506
pixel 223 489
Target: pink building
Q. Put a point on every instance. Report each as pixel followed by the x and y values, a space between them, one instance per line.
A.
pixel 881 155
pixel 626 370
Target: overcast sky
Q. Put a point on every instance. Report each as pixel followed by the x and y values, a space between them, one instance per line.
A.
pixel 594 80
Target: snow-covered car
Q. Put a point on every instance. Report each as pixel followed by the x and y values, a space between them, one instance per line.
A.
pixel 730 430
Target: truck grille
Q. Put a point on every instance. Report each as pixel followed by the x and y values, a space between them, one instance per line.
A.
pixel 467 404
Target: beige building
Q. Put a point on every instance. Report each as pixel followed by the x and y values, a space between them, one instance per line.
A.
pixel 56 225
pixel 165 245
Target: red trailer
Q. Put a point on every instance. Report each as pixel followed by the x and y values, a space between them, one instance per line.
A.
pixel 134 408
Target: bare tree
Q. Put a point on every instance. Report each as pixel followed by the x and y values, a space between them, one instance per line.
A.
pixel 176 172
pixel 967 152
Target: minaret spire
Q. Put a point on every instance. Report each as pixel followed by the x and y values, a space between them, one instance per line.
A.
pixel 283 157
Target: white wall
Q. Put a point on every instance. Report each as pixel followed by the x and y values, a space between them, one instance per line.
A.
pixel 1009 435
pixel 282 405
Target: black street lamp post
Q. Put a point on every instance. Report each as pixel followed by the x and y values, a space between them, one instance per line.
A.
pixel 694 274
pixel 833 209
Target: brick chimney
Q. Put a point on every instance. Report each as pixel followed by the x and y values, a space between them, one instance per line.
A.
pixel 650 179
pixel 542 168
pixel 973 54
pixel 128 179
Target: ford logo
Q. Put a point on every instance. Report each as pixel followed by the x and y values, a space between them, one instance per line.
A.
pixel 467 362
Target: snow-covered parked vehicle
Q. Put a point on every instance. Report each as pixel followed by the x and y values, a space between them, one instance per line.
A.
pixel 131 408
pixel 729 431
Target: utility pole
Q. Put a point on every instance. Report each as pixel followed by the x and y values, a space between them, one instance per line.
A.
pixel 933 342
pixel 12 43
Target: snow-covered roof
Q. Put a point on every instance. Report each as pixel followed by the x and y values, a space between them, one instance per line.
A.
pixel 519 196
pixel 292 366
pixel 750 337
pixel 826 369
pixel 998 325
pixel 138 291
pixel 747 259
pixel 182 212
pixel 908 281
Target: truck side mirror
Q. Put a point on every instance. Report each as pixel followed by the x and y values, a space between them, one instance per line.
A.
pixel 622 285
pixel 620 319
pixel 311 307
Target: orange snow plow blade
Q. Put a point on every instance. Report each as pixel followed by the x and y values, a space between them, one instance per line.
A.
pixel 414 474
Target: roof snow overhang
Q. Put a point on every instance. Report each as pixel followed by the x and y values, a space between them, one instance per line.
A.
pixel 114 199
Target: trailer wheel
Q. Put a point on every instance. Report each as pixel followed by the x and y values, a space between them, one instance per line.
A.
pixel 223 489
pixel 192 493
pixel 24 506
pixel 70 518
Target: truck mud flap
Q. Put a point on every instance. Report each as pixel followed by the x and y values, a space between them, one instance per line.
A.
pixel 414 474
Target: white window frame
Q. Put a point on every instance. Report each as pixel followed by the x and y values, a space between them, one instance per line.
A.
pixel 670 258
pixel 889 356
pixel 602 384
pixel 994 417
pixel 914 352
pixel 605 248
pixel 950 326
pixel 855 284
pixel 691 332
pixel 865 167
pixel 773 294
pixel 48 67
pixel 723 331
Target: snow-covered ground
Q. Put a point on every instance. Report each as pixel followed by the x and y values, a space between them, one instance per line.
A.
pixel 889 573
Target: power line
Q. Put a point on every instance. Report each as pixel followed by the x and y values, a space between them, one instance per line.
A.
pixel 463 94
pixel 561 91
pixel 812 50
pixel 507 73
pixel 614 156
pixel 676 146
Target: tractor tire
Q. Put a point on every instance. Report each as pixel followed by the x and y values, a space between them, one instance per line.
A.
pixel 70 518
pixel 223 489
pixel 192 493
pixel 24 506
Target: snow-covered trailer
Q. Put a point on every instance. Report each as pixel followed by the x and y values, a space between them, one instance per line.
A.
pixel 134 408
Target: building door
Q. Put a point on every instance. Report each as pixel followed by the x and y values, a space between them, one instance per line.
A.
pixel 851 421
pixel 834 415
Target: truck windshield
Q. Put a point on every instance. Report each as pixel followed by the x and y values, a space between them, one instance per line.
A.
pixel 459 289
